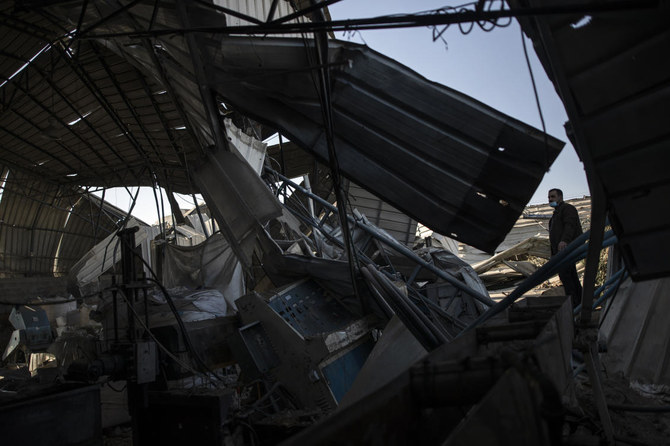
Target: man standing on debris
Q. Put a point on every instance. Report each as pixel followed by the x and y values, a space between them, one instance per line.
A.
pixel 564 227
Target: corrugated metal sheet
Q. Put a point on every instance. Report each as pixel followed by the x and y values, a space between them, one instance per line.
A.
pixel 87 110
pixel 637 333
pixel 259 9
pixel 443 158
pixel 298 162
pixel 383 215
pixel 613 74
pixel 44 229
pixel 291 160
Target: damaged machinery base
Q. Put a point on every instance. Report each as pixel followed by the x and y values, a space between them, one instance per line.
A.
pixel 415 352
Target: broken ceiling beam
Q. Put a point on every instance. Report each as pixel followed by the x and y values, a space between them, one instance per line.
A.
pixel 453 163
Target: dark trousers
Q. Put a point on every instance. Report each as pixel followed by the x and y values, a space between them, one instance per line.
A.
pixel 571 283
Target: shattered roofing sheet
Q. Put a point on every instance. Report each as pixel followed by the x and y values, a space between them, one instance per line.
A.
pixel 613 72
pixel 447 160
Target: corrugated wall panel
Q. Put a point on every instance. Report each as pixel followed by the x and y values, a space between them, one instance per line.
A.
pixel 33 218
pixel 84 230
pixel 383 215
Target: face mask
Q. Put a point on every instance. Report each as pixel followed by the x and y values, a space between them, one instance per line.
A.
pixel 553 204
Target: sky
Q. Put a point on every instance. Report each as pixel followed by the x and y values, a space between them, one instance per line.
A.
pixel 488 66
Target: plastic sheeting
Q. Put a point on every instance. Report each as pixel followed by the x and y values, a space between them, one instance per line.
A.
pixel 192 306
pixel 211 264
pixel 106 254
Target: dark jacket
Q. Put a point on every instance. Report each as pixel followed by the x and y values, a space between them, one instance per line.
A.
pixel 564 226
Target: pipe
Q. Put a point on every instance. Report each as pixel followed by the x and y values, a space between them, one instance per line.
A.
pixel 573 252
pixel 376 294
pixel 422 333
pixel 415 311
pixel 620 276
pixel 397 246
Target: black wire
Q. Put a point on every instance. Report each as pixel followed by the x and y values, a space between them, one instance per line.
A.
pixel 182 328
pixel 124 223
pixel 195 202
pixel 537 99
pixel 321 48
pixel 173 356
pixel 161 222
pixel 466 28
pixel 161 215
pixel 388 22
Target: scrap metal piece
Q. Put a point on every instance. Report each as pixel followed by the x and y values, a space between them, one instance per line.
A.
pixel 31 328
pixel 427 402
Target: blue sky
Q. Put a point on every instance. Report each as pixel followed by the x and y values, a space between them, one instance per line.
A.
pixel 489 66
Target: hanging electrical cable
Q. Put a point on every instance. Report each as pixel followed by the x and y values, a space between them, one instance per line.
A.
pixel 171 355
pixel 537 98
pixel 465 28
pixel 321 47
pixel 484 18
pixel 161 222
pixel 180 323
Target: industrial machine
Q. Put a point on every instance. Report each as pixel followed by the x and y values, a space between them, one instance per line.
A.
pixel 32 331
pixel 304 338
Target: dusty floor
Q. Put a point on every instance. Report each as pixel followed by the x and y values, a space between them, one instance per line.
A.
pixel 630 428
pixel 117 436
pixel 581 428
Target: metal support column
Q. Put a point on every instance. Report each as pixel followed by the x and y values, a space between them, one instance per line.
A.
pixel 137 393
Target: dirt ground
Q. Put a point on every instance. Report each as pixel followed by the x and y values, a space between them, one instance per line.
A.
pixel 630 428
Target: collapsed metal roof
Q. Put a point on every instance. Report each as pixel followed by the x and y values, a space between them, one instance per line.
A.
pixel 449 161
pixel 612 72
pixel 89 98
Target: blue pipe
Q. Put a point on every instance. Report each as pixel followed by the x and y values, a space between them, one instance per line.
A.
pixel 607 294
pixel 609 281
pixel 620 276
pixel 575 251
